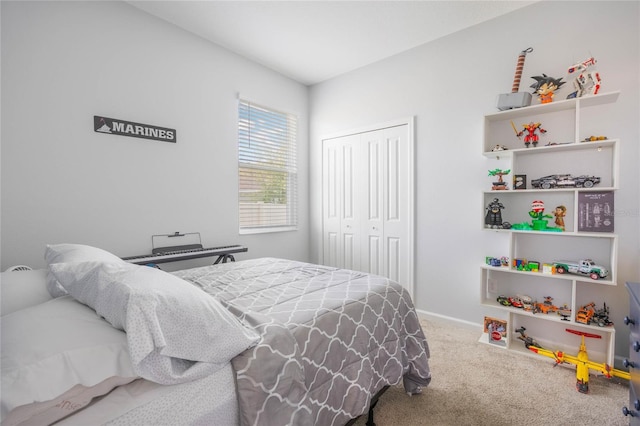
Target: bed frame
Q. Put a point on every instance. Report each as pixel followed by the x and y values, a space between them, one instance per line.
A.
pixel 374 401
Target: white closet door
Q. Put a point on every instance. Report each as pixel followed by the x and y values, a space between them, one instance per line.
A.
pixel 341 225
pixel 367 216
pixel 396 205
pixel 331 203
pixel 372 202
pixel 351 180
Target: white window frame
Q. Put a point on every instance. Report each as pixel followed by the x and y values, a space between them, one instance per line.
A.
pixel 280 132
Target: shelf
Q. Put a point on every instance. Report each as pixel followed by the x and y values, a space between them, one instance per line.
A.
pixel 549 191
pixel 542 275
pixel 555 106
pixel 557 234
pixel 545 149
pixel 560 150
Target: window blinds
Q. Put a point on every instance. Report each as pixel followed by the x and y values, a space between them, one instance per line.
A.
pixel 267 174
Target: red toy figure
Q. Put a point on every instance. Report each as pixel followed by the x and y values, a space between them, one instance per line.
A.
pixel 531 137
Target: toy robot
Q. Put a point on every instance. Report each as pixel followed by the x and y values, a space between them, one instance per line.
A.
pixel 586 82
pixel 531 137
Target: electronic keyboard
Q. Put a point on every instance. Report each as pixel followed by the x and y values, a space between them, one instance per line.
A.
pixel 195 251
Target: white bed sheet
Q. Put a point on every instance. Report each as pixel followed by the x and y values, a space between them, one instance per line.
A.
pixel 208 401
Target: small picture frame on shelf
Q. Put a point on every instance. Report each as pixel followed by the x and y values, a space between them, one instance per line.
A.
pixel 496 331
pixel 596 211
pixel 520 182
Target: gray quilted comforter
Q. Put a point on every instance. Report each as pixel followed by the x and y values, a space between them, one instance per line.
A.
pixel 330 339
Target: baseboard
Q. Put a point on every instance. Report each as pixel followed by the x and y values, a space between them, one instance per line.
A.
pixel 457 321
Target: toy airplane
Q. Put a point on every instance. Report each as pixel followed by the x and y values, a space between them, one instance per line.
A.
pixel 581 361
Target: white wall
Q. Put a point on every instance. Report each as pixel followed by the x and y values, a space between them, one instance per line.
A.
pixel 63 63
pixel 448 85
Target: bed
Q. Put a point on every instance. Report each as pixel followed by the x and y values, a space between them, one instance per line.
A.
pixel 256 342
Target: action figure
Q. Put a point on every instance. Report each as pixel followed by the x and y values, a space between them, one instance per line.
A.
pixel 545 87
pixel 493 219
pixel 560 213
pixel 531 137
pixel 586 82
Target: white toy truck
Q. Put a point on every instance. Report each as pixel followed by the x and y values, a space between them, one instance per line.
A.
pixel 584 267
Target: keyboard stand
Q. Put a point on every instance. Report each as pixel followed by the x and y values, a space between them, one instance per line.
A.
pixel 224 258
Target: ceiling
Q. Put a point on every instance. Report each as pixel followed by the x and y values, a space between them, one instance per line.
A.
pixel 312 41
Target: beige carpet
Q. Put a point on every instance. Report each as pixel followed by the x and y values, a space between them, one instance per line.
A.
pixel 476 384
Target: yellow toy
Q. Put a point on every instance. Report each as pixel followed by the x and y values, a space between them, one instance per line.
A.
pixel 582 363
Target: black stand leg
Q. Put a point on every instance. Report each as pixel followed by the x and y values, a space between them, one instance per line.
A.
pixel 224 258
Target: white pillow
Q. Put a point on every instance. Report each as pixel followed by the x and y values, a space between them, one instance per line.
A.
pixel 176 332
pixel 62 253
pixel 21 289
pixel 49 348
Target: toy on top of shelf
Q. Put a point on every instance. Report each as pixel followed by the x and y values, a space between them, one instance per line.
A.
pixel 594 139
pixel 587 82
pixel 503 300
pixel 538 215
pixel 560 212
pixel 581 361
pixel 539 219
pixel 493 218
pixel 601 317
pixel 564 312
pixel 528 341
pixel 546 306
pixel 588 314
pixel 516 99
pixel 516 302
pixel 584 267
pixel 530 128
pixel 565 181
pixel 585 313
pixel 545 87
pixel 500 184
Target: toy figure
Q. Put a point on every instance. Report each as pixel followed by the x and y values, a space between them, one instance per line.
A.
pixel 560 213
pixel 537 210
pixel 545 87
pixel 586 82
pixel 500 184
pixel 531 137
pixel 493 219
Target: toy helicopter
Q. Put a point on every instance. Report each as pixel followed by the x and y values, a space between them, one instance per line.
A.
pixel 581 361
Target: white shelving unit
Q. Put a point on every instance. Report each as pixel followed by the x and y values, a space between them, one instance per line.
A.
pixel 560 151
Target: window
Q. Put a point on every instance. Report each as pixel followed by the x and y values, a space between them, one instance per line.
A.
pixel 267 175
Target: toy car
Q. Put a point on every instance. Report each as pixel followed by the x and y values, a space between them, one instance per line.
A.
pixel 516 302
pixel 503 300
pixel 584 267
pixel 565 181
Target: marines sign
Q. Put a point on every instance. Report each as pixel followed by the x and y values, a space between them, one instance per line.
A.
pixel 136 130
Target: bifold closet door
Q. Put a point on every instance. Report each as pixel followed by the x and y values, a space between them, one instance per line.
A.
pixel 366 184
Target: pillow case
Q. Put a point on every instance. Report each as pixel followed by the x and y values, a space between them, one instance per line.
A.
pixel 50 348
pixel 62 253
pixel 22 289
pixel 176 332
